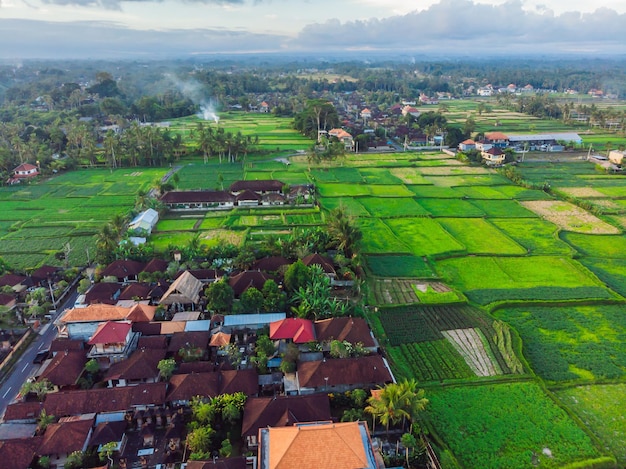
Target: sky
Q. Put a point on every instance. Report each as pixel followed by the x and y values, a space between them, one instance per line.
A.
pixel 181 28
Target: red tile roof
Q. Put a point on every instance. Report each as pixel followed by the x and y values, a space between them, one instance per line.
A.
pixel 111 332
pixel 299 330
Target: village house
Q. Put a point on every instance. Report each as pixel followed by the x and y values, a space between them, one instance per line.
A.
pixel 23 172
pixel 113 341
pixel 345 446
pixel 282 411
pixel 63 438
pixel 344 137
pixel 493 157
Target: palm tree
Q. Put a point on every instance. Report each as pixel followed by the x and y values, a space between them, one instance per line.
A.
pixel 397 402
pixel 106 243
pixel 344 231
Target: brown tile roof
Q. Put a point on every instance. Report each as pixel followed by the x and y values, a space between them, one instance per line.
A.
pixel 104 400
pixel 142 364
pixel 103 293
pixel 61 345
pixel 152 341
pixel 196 197
pixel 205 275
pixel 193 339
pixel 195 367
pixel 270 185
pixel 123 268
pixel 244 280
pixel 106 432
pixel 271 263
pixel 230 463
pixel 156 265
pixel 185 387
pixel 299 447
pixel 366 371
pixel 353 330
pixel 11 280
pixel 248 195
pixel 23 411
pixel 317 259
pixel 19 453
pixel 136 290
pixel 7 300
pixel 147 328
pixel 65 437
pixel 283 411
pixel 65 368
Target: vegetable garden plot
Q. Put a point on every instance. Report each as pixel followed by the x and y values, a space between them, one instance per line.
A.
pixel 473 347
pixel 481 237
pixel 601 409
pixel 423 323
pixel 428 361
pixel 506 426
pixel 399 266
pixel 178 224
pixel 570 217
pixel 538 236
pixel 424 236
pixel 393 292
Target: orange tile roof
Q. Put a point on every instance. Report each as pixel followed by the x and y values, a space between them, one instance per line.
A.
pixel 300 446
pixel 496 136
pixel 95 312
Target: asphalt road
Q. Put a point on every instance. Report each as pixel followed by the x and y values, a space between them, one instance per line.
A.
pixel 24 367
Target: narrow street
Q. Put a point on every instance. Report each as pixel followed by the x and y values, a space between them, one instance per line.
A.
pixel 24 366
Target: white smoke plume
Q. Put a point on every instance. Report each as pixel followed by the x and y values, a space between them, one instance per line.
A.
pixel 196 92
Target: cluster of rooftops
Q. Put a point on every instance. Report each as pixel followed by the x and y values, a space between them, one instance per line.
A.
pixel 134 406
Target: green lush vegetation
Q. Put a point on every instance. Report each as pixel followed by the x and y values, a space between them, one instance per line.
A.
pixel 573 342
pixel 601 408
pixel 507 425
